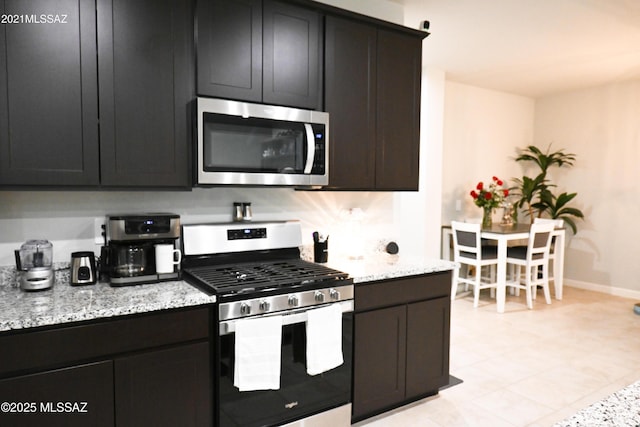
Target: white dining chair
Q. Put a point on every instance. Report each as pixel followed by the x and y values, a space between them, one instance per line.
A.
pixel 557 223
pixel 468 251
pixel 489 272
pixel 534 259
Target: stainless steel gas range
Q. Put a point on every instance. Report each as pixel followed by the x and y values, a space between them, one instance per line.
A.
pixel 259 279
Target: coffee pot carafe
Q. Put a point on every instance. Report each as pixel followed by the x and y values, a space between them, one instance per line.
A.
pixel 34 262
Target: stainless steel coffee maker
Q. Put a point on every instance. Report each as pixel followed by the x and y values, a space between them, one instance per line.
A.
pixel 34 261
pixel 128 257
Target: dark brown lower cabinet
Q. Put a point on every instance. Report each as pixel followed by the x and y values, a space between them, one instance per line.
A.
pixel 164 388
pixel 76 396
pixel 401 342
pixel 427 346
pixel 380 359
pixel 144 370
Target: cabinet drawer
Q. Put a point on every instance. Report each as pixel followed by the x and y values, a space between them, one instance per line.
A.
pixel 401 291
pixel 53 347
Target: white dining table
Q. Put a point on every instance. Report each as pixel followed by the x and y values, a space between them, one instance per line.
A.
pixel 503 235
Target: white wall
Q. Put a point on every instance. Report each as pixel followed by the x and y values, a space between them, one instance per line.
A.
pixel 418 213
pixel 381 9
pixel 67 218
pixel 602 127
pixel 482 130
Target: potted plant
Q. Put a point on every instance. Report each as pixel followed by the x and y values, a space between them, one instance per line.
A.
pixel 535 195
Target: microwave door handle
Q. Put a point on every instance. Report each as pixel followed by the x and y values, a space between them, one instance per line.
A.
pixel 311 148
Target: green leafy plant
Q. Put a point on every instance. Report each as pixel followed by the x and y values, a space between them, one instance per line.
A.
pixel 527 189
pixel 544 160
pixel 535 196
pixel 558 209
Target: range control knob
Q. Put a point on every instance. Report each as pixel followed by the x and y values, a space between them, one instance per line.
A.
pixel 334 294
pixel 265 305
pixel 293 300
pixel 245 308
pixel 319 296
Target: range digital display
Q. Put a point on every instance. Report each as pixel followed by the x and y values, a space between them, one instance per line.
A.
pixel 247 233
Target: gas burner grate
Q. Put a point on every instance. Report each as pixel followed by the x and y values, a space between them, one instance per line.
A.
pixel 262 276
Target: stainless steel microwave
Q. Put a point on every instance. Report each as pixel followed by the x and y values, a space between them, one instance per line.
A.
pixel 253 144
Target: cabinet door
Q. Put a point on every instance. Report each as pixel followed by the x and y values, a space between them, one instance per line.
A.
pixel 48 94
pixel 230 49
pixel 398 121
pixel 78 396
pixel 291 54
pixel 379 360
pixel 427 346
pixel 146 88
pixel 350 99
pixel 165 388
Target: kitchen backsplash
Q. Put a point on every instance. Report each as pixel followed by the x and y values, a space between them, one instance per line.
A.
pixel 68 219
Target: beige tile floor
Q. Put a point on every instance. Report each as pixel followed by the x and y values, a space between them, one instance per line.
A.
pixel 530 367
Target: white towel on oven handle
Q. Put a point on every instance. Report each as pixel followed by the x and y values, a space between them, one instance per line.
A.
pixel 258 353
pixel 324 339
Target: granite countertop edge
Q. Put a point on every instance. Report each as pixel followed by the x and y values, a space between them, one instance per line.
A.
pixel 621 408
pixel 64 303
pixel 71 317
pixel 78 311
pixel 389 267
pixel 401 272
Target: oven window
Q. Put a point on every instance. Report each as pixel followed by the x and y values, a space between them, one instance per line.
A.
pixel 300 394
pixel 236 144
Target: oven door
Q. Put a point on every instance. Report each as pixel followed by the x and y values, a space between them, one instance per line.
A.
pixel 300 395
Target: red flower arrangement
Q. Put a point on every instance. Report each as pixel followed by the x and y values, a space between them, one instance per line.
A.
pixel 489 197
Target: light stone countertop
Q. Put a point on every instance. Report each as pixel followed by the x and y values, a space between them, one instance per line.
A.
pixel 64 303
pixel 384 266
pixel 622 408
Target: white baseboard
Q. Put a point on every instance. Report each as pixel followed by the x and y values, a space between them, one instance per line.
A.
pixel 609 290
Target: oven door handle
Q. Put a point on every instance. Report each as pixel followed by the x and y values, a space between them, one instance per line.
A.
pixel 289 317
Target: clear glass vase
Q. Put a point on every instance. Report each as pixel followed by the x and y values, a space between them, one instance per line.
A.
pixel 487 221
pixel 507 215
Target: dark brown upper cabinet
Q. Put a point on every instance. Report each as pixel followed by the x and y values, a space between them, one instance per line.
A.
pixel 259 51
pixel 350 99
pixel 49 95
pixel 121 120
pixel 230 49
pixel 398 111
pixel 145 56
pixel 372 93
